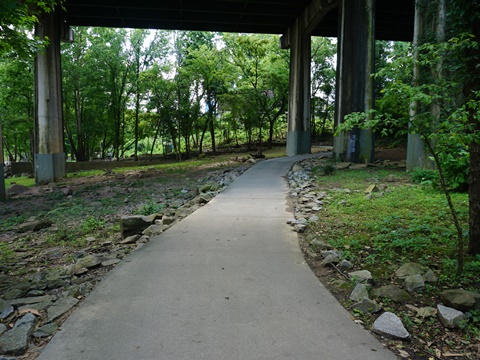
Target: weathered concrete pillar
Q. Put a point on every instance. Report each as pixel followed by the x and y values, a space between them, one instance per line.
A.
pixel 417 154
pixel 355 88
pixel 298 136
pixel 49 137
pixel 3 194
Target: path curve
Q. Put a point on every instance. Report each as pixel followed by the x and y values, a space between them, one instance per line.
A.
pixel 226 283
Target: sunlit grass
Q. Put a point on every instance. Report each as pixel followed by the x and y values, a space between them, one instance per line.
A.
pixel 402 222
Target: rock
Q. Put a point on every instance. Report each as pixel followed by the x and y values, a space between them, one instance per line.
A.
pixel 167 220
pixel 300 228
pixel 252 161
pixel 37 306
pixel 5 309
pixel 54 279
pixel 46 331
pixel 461 299
pixel 342 165
pixel 31 300
pixel 388 324
pixel 153 230
pixel 202 199
pixel 392 292
pixel 144 239
pixel 358 166
pixel 333 252
pixel 67 191
pixel 88 262
pixel 320 245
pixel 297 168
pixel 426 312
pixel 362 276
pixel 209 186
pixel 330 259
pixel 111 262
pixel 414 283
pixel 409 269
pixel 135 224
pixel 3 328
pixel 15 341
pixel 430 276
pixel 450 317
pixel 60 308
pixel 34 225
pixel 359 293
pixel 367 306
pixel 346 264
pixel 390 178
pixel 16 189
pixel 371 189
pixel 130 239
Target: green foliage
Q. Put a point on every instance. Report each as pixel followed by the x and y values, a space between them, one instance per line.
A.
pixel 367 231
pixel 328 169
pixel 17 19
pixel 6 253
pixel 91 224
pixel 424 176
pixel 149 208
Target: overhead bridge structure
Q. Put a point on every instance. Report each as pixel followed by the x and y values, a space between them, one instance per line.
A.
pixel 356 24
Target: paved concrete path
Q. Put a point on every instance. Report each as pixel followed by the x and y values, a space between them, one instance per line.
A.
pixel 228 282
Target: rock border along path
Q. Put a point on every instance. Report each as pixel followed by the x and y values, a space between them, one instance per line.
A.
pixel 227 282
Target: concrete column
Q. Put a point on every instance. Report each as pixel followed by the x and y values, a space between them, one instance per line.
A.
pixel 49 137
pixel 3 194
pixel 417 154
pixel 355 65
pixel 298 136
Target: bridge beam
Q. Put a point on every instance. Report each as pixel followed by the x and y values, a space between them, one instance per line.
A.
pixel 49 137
pixel 355 88
pixel 298 39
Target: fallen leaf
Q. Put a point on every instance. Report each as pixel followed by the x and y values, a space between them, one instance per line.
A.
pixel 403 354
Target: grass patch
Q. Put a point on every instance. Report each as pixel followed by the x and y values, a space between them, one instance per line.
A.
pixel 20 180
pixel 400 223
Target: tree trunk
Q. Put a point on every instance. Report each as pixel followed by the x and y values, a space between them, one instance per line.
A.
pixel 212 134
pixel 474 198
pixel 472 86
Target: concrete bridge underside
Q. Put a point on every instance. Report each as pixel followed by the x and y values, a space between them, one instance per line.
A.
pixel 356 24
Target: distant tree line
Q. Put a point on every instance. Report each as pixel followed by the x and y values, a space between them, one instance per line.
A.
pixel 139 92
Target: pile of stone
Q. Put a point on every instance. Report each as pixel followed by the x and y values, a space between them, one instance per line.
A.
pixel 308 200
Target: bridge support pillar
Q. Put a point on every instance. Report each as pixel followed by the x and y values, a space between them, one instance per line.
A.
pixel 355 88
pixel 49 137
pixel 298 136
pixel 417 154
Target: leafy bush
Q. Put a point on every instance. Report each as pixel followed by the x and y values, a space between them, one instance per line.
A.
pixel 149 208
pixel 424 176
pixel 455 164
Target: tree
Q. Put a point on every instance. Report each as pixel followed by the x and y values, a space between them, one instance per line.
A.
pixel 447 124
pixel 114 67
pixel 144 55
pixel 262 82
pixel 16 19
pixel 17 107
pixel 207 65
pixel 322 83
